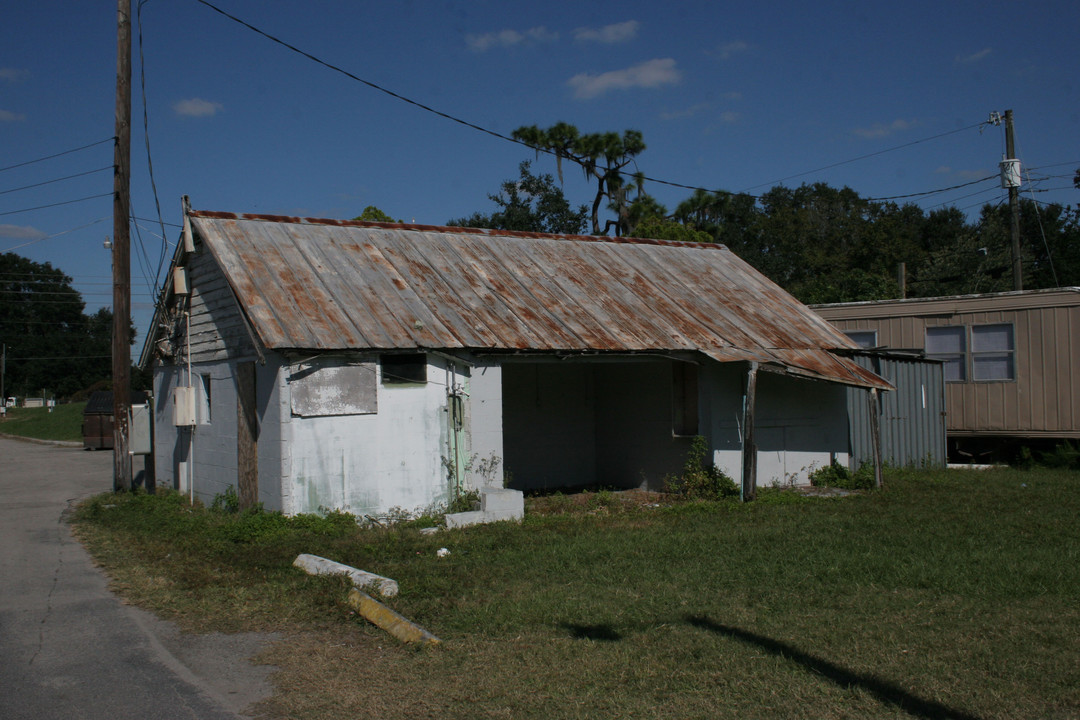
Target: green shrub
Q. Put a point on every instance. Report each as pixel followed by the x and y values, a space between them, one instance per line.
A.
pixel 465 501
pixel 836 475
pixel 227 502
pixel 701 479
pixel 1065 456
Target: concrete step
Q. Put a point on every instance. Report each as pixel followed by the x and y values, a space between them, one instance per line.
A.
pixel 502 500
pixel 496 504
pixel 465 519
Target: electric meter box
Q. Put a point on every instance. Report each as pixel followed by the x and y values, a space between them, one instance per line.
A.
pixel 139 430
pixel 184 406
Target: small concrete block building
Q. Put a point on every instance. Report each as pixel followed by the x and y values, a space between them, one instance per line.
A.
pixel 317 364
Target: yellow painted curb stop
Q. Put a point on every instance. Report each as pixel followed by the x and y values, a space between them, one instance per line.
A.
pixel 378 614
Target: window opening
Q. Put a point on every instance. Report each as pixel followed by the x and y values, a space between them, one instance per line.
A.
pixel 863 338
pixel 948 344
pixel 407 369
pixel 684 387
pixel 993 353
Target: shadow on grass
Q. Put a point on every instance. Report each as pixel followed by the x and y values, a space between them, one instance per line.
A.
pixel 605 633
pixel 882 689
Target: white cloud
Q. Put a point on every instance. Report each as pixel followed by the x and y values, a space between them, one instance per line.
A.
pixel 609 34
pixel 651 74
pixel 684 113
pixel 729 117
pixel 509 38
pixel 197 107
pixel 21 232
pixel 974 57
pixel 943 170
pixel 8 116
pixel 13 75
pixel 880 130
pixel 728 49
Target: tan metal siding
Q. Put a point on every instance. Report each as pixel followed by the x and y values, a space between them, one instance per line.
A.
pixel 1045 397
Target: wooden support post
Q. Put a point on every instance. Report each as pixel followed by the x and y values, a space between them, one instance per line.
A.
pixel 247 436
pixel 875 434
pixel 749 449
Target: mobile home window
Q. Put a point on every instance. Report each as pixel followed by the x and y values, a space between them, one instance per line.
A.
pixel 863 338
pixel 993 353
pixel 949 345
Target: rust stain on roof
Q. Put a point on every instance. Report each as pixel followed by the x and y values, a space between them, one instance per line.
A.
pixel 318 284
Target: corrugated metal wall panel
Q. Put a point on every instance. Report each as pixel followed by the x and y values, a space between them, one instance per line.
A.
pixel 911 418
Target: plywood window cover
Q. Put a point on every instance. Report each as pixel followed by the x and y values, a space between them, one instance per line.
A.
pixel 332 386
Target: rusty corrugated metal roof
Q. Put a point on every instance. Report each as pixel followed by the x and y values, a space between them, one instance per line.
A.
pixel 311 284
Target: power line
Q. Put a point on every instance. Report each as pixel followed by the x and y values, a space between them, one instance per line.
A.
pixel 500 136
pixel 868 155
pixel 58 204
pixel 63 232
pixel 934 192
pixel 1042 167
pixel 963 197
pixel 149 160
pixel 175 225
pixel 59 154
pixel 49 182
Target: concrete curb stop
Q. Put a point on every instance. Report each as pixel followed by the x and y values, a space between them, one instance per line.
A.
pixel 315 565
pixel 378 614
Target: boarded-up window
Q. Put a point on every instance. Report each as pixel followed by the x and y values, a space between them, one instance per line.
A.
pixel 992 352
pixel 333 386
pixel 949 345
pixel 684 385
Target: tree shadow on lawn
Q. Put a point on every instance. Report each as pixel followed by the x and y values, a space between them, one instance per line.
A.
pixel 604 632
pixel 884 690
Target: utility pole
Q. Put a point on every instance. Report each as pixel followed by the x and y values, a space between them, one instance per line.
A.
pixel 1014 202
pixel 121 253
pixel 3 372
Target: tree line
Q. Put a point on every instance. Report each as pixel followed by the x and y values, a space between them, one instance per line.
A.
pixel 53 347
pixel 820 243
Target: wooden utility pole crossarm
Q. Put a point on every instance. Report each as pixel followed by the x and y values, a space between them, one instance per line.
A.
pixel 121 253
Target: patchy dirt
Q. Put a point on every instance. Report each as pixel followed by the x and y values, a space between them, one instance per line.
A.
pixel 222 666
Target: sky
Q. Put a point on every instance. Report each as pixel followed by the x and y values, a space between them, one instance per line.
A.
pixel 889 99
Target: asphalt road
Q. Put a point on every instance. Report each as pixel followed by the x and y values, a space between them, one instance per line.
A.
pixel 71 649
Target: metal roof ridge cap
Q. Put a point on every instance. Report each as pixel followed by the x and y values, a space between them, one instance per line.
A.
pixel 451 230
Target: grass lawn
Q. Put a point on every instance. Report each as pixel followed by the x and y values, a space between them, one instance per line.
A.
pixel 945 595
pixel 63 423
